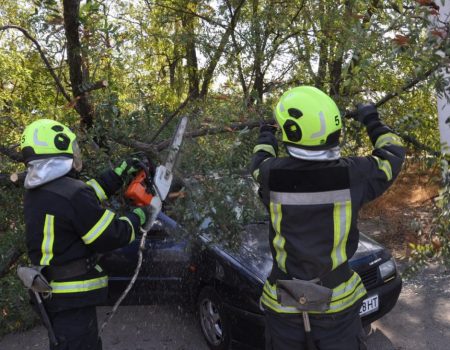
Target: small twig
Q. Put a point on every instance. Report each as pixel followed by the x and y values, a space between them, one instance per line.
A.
pixel 408 86
pixel 170 117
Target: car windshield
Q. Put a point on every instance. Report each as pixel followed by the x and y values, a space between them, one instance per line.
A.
pixel 220 206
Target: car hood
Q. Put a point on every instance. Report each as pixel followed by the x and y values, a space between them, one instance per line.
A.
pixel 254 252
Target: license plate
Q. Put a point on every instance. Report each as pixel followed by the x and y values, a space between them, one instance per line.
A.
pixel 369 305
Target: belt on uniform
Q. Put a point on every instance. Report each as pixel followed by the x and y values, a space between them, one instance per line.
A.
pixel 72 269
pixel 331 280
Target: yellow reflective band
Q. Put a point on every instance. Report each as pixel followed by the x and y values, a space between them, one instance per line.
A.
pixel 269 299
pixel 384 166
pixel 79 286
pixel 255 174
pixel 342 214
pixel 101 195
pixel 98 268
pixel 47 240
pixel 99 227
pixel 279 241
pixel 388 139
pixel 133 236
pixel 346 288
pixel 265 148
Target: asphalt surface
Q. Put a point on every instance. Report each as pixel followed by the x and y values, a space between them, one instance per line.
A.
pixel 419 321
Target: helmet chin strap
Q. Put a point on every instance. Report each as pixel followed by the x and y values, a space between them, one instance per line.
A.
pixel 319 155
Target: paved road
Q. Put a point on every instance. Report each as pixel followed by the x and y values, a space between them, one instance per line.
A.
pixel 419 321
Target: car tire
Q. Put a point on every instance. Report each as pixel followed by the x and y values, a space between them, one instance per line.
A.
pixel 214 322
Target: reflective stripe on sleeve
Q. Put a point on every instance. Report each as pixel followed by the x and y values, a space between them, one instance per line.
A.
pixel 101 195
pixel 79 286
pixel 342 215
pixel 388 139
pixel 279 241
pixel 255 174
pixel 47 240
pixel 384 166
pixel 99 227
pixel 133 236
pixel 265 148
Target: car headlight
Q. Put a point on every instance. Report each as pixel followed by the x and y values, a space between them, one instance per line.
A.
pixel 387 269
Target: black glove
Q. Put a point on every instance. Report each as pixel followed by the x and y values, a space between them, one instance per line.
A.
pixel 268 127
pixel 128 167
pixel 366 113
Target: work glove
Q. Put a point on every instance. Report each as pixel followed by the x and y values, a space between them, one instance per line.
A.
pixel 268 127
pixel 366 113
pixel 128 167
pixel 143 217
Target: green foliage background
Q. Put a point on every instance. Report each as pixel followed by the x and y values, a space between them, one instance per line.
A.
pixel 231 60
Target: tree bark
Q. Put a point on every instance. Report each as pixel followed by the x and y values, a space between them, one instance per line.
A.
pixel 77 78
pixel 219 50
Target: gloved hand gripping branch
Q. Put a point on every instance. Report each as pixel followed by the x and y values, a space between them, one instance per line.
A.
pixel 367 114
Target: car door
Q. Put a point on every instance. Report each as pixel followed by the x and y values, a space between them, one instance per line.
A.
pixel 164 267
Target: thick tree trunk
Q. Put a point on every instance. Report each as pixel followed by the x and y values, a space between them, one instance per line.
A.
pixel 72 26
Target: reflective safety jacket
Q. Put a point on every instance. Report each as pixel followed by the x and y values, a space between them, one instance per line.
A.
pixel 314 208
pixel 65 223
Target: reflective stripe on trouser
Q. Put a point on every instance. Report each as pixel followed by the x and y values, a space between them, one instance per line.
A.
pixel 79 286
pixel 344 295
pixel 99 227
pixel 48 240
pixel 278 241
pixel 101 195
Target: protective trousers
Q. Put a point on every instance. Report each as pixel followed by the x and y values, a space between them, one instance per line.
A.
pixel 340 331
pixel 76 329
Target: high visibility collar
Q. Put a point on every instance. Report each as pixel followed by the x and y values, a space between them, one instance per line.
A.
pixel 42 171
pixel 319 155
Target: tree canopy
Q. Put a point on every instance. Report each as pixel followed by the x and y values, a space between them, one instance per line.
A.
pixel 120 73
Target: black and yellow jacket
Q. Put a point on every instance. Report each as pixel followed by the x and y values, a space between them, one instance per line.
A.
pixel 314 208
pixel 65 223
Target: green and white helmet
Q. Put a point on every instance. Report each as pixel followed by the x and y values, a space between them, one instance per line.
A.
pixel 308 119
pixel 46 138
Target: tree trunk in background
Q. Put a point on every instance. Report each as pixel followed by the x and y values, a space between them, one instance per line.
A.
pixel 72 26
pixel 188 23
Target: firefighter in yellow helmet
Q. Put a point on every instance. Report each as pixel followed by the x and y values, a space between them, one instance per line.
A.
pixel 66 227
pixel 312 297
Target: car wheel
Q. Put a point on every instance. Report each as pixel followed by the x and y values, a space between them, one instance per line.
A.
pixel 213 320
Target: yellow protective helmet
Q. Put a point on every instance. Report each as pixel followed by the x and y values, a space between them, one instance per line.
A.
pixel 308 118
pixel 45 138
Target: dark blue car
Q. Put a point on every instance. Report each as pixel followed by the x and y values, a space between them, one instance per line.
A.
pixel 224 283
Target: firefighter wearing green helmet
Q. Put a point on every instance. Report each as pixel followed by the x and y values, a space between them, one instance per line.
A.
pixel 312 297
pixel 66 227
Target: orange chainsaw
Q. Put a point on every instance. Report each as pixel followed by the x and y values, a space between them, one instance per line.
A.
pixel 146 191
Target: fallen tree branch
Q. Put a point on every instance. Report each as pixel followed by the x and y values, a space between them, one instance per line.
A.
pixel 10 152
pixel 170 117
pixel 408 86
pixel 217 130
pixel 43 57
